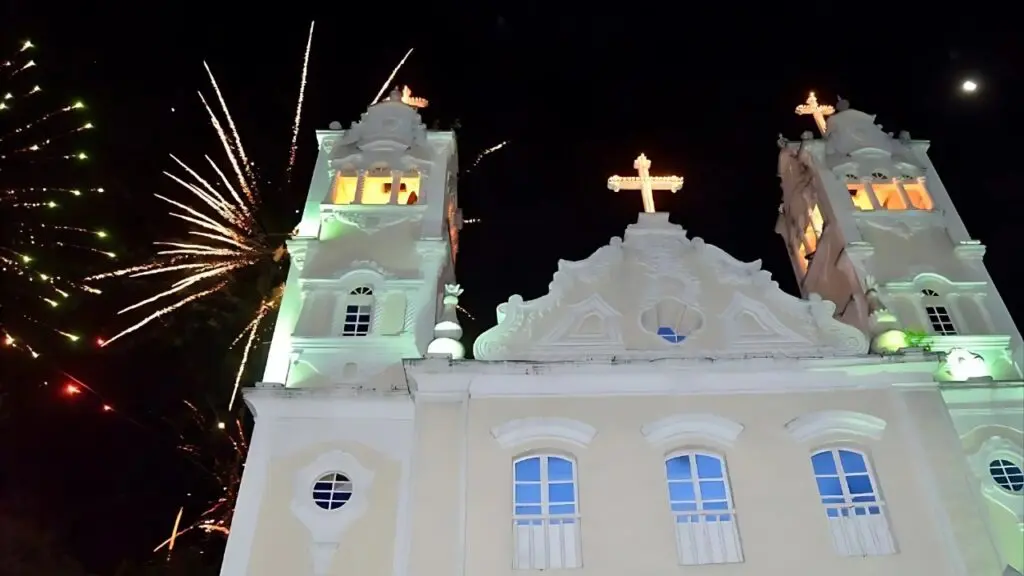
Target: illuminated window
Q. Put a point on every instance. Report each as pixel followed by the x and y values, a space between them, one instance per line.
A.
pixel 377 188
pixel 705 518
pixel 545 513
pixel 918 195
pixel 817 222
pixel 888 196
pixel 343 190
pixel 852 502
pixel 358 312
pixel 379 184
pixel 801 258
pixel 859 196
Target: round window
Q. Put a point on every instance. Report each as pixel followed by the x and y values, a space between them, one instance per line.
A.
pixel 879 175
pixel 332 491
pixel 1008 475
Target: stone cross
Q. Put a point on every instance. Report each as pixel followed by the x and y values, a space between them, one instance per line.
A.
pixel 409 100
pixel 817 111
pixel 645 183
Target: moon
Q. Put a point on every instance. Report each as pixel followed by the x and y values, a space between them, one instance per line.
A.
pixel 969 86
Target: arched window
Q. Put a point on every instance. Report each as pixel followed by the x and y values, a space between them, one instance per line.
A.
pixel 938 315
pixel 358 312
pixel 701 503
pixel 545 512
pixel 853 504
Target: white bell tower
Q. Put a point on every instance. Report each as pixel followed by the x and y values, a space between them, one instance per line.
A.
pixel 374 249
pixel 371 284
pixel 870 226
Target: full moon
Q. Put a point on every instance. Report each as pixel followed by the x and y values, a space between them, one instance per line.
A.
pixel 969 86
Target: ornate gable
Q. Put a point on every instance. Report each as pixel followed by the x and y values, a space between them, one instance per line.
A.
pixel 659 294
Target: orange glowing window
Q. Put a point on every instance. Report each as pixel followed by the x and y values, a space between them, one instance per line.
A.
pixel 859 196
pixel 918 196
pixel 810 239
pixel 801 259
pixel 344 189
pixel 377 189
pixel 888 196
pixel 817 222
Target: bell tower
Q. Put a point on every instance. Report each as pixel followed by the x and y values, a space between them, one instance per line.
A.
pixel 372 253
pixel 371 284
pixel 870 225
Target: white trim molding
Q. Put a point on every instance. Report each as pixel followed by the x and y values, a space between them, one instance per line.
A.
pixel 816 425
pixel 517 432
pixel 680 428
pixel 999 448
pixel 326 526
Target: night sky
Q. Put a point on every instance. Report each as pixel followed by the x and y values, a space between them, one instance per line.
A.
pixel 578 93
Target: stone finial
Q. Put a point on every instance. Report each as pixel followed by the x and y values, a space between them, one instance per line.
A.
pixel 807 135
pixel 842 104
pixel 335 125
pixel 904 136
pixel 448 330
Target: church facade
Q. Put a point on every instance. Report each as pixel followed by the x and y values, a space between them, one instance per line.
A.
pixel 664 409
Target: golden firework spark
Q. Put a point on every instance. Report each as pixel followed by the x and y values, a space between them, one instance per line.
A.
pixel 224 233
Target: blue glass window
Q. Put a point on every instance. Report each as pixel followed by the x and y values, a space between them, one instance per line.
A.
pixel 332 491
pixel 698 487
pixel 544 487
pixel 845 484
pixel 670 335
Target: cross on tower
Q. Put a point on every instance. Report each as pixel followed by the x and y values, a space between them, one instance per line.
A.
pixel 818 111
pixel 645 183
pixel 409 100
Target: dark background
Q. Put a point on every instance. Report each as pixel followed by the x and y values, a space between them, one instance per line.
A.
pixel 579 92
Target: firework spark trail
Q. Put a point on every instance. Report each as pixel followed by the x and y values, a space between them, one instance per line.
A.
pixel 224 234
pixel 28 244
pixel 394 72
pixel 487 151
pixel 298 107
pixel 250 332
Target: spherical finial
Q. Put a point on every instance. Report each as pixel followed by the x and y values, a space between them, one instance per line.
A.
pixel 335 125
pixel 842 104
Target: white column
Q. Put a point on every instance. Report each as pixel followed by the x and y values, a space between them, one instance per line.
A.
pixel 903 194
pixel 360 183
pixel 979 301
pixel 871 195
pixel 396 183
pixel 238 551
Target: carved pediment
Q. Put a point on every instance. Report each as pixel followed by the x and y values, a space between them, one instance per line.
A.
pixel 659 294
pixel 591 322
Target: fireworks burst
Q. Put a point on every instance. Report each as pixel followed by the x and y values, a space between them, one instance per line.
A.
pixel 225 235
pixel 221 458
pixel 36 142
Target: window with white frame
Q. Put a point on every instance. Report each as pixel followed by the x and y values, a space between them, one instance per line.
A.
pixel 545 514
pixel 358 312
pixel 702 508
pixel 853 503
pixel 938 315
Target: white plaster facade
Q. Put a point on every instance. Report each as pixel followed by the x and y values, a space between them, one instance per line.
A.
pixel 658 367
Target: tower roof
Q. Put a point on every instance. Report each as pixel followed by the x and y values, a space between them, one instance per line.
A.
pixel 851 131
pixel 388 125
